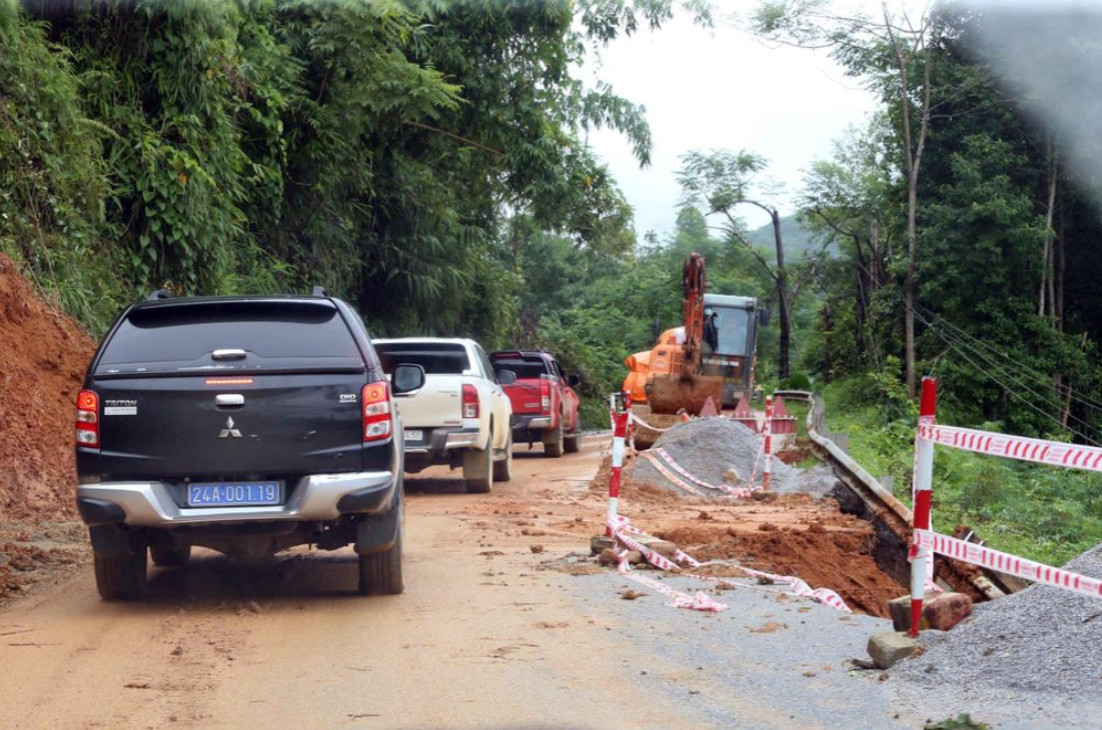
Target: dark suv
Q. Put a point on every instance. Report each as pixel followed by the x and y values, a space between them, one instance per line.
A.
pixel 243 424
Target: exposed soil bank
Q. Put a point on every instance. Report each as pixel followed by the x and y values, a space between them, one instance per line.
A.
pixel 43 361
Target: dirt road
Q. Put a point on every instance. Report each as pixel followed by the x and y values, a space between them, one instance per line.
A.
pixel 479 639
pixel 505 623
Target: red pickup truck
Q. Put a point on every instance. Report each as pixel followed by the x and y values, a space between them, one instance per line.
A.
pixel 545 407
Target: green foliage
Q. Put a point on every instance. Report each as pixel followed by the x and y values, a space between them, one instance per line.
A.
pixel 796 381
pixel 267 145
pixel 1040 512
pixel 609 307
pixel 962 721
pixel 53 179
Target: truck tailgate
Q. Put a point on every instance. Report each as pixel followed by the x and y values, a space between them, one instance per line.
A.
pixel 525 396
pixel 437 404
pixel 187 427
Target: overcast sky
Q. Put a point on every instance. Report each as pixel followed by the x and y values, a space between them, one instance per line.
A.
pixel 720 88
pixel 708 89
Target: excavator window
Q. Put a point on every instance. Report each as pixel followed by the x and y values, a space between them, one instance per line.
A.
pixel 731 328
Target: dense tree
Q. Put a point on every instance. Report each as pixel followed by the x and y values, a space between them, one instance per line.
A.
pixel 896 53
pixel 989 207
pixel 723 181
pixel 376 147
pixel 848 200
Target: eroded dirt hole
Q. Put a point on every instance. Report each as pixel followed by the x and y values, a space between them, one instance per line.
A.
pixel 809 525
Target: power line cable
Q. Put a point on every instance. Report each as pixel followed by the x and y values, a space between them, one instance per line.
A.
pixel 958 344
pixel 1039 376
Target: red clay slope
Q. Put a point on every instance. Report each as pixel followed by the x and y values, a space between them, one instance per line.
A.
pixel 43 354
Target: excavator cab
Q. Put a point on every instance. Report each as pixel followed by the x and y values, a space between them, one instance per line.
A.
pixel 733 321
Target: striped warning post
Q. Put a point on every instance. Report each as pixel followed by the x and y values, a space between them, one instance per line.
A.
pixel 620 410
pixel 926 542
pixel 922 562
pixel 768 432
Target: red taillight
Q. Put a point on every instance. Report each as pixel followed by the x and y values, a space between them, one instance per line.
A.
pixel 545 396
pixel 470 402
pixel 87 421
pixel 377 421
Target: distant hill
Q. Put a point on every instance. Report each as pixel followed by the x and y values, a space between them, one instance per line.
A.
pixel 797 239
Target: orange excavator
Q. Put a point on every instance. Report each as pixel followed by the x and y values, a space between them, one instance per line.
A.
pixel 711 355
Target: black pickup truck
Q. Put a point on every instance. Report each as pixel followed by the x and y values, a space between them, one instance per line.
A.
pixel 247 425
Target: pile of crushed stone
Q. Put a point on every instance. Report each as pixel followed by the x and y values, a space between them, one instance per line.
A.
pixel 1041 639
pixel 709 448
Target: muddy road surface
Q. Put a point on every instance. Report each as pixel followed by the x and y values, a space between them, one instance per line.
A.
pixel 506 622
pixel 480 638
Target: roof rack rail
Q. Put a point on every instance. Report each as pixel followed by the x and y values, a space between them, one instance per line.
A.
pixel 156 296
pixel 320 291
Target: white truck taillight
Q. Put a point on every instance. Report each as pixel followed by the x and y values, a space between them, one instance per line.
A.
pixel 378 422
pixel 87 420
pixel 470 402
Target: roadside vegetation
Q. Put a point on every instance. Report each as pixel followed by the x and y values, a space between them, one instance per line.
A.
pixel 427 161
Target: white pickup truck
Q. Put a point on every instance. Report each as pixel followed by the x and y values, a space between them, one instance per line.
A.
pixel 462 416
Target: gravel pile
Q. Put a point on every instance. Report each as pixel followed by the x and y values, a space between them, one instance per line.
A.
pixel 1040 639
pixel 708 448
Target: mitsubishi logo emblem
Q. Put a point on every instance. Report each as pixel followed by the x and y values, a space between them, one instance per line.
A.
pixel 229 431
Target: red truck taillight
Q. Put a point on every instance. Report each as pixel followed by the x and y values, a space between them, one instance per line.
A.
pixel 378 422
pixel 470 402
pixel 545 396
pixel 87 422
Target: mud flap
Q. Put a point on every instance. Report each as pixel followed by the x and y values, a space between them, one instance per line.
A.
pixel 378 532
pixel 113 541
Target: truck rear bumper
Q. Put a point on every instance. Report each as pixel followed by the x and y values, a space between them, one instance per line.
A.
pixel 522 422
pixel 440 440
pixel 316 497
pixel 530 428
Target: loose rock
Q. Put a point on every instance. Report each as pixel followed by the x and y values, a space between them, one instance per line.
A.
pixel 889 647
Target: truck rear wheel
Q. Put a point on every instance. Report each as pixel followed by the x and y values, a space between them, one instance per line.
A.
pixel 381 572
pixel 553 442
pixel 122 577
pixel 477 468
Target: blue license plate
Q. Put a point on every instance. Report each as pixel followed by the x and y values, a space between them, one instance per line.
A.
pixel 233 494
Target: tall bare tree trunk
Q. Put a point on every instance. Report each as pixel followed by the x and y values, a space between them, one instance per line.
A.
pixel 1061 271
pixel 875 258
pixel 909 291
pixel 782 297
pixel 1046 305
pixel 913 149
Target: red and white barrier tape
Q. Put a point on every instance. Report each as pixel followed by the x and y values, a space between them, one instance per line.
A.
pixel 757 462
pixel 1052 453
pixel 698 602
pixel 622 528
pixel 740 492
pixel 799 587
pixel 673 478
pixel 643 423
pixel 658 561
pixel 970 552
